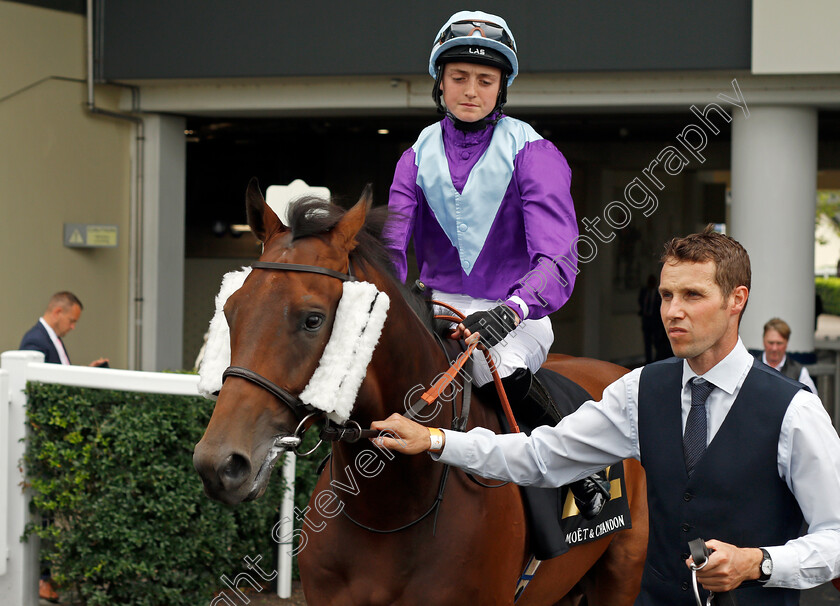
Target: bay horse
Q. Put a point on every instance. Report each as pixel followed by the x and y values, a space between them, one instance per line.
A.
pixel 376 531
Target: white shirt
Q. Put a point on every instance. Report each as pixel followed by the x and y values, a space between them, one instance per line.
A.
pixel 603 433
pixel 59 346
pixel 804 376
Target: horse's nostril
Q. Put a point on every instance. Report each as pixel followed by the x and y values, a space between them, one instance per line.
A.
pixel 235 470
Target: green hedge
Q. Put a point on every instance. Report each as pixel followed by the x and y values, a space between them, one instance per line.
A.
pixel 829 291
pixel 128 521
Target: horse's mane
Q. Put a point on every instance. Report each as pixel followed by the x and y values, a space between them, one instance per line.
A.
pixel 313 216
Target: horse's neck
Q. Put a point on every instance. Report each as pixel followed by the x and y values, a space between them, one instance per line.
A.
pixel 407 357
pixel 406 362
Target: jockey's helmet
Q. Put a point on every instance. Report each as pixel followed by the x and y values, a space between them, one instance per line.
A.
pixel 474 37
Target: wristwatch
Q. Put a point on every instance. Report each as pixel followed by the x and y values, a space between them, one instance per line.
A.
pixel 765 569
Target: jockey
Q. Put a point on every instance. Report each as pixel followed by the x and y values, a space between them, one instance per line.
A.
pixel 487 201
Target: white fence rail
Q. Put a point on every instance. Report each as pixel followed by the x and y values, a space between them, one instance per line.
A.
pixel 4 469
pixel 19 562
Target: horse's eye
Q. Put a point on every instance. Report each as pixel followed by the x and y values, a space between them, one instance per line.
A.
pixel 313 322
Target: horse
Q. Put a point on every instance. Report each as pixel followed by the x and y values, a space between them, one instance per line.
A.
pixel 383 528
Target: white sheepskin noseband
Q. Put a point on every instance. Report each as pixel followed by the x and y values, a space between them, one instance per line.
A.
pixel 335 384
pixel 216 356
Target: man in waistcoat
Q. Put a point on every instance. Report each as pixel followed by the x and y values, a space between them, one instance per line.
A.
pixel 734 452
pixel 776 337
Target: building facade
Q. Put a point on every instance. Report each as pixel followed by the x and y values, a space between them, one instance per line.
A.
pixel 153 116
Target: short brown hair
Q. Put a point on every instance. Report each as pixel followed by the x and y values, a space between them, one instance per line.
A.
pixel 732 263
pixel 780 326
pixel 64 299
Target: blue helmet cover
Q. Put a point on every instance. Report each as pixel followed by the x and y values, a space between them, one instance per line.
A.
pixel 476 39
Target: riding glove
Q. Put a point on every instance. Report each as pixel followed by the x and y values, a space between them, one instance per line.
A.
pixel 493 325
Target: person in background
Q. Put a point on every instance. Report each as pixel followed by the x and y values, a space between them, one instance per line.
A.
pixel 776 337
pixel 63 312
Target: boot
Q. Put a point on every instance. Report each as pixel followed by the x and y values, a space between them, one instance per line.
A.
pixel 530 401
pixel 533 406
pixel 591 494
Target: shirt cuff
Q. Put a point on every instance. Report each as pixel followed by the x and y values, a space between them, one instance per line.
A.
pixel 436 455
pixel 453 443
pixel 785 567
pixel 515 303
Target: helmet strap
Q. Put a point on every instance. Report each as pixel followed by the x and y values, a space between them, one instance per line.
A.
pixel 437 94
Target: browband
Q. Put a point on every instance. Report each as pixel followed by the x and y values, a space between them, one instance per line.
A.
pixel 310 269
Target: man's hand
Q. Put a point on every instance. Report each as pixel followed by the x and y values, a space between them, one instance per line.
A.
pixel 99 362
pixel 728 566
pixel 409 437
pixel 490 326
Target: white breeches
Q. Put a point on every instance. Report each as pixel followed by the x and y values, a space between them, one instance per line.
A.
pixel 526 347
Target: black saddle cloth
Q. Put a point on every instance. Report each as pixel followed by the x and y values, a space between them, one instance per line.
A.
pixel 544 506
pixel 566 394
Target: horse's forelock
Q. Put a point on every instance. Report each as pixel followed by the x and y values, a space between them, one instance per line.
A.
pixel 313 216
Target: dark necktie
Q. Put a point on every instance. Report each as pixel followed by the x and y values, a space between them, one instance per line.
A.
pixel 694 439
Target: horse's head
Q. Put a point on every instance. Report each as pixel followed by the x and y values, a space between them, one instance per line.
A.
pixel 280 322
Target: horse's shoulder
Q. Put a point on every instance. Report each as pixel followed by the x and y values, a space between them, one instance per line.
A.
pixel 592 375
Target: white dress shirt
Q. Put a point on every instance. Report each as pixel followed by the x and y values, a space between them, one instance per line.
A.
pixel 804 376
pixel 603 433
pixel 59 346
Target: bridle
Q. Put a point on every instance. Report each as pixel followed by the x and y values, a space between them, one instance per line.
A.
pixel 303 412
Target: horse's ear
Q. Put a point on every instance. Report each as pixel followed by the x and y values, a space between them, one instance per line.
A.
pixel 261 218
pixel 344 233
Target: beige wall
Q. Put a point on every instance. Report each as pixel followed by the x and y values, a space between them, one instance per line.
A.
pixel 795 37
pixel 58 164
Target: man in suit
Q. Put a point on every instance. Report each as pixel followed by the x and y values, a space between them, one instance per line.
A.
pixel 63 312
pixel 734 452
pixel 776 337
